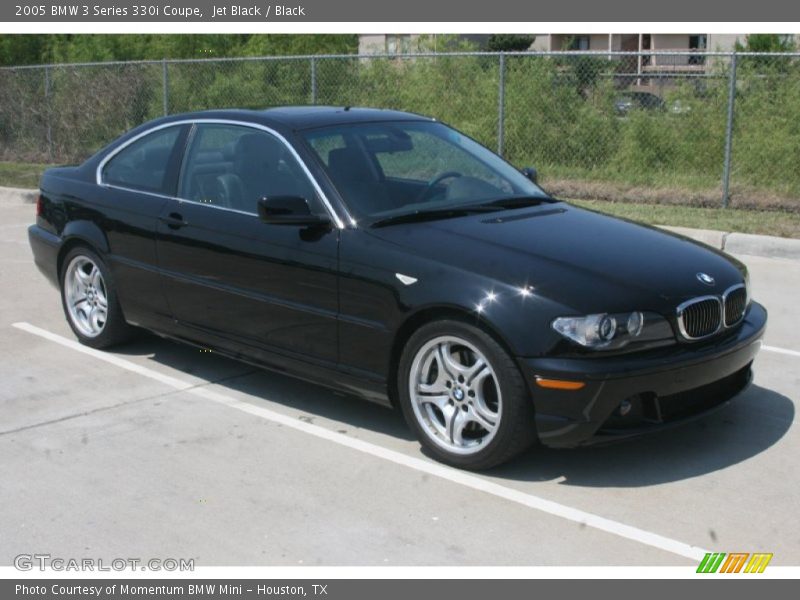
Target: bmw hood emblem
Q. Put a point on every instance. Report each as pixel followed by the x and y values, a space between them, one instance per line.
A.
pixel 705 278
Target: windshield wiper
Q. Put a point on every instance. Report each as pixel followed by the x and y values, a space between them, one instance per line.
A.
pixel 516 202
pixel 419 216
pixel 461 211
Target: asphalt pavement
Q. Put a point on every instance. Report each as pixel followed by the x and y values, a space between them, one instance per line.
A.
pixel 160 450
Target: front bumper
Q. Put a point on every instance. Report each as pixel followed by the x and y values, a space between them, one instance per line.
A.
pixel 664 387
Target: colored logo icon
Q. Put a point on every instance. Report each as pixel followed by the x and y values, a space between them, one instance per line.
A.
pixel 734 562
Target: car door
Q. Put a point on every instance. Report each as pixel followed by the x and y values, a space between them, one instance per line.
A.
pixel 136 181
pixel 228 274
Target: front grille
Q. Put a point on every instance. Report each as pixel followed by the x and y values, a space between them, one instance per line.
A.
pixel 700 317
pixel 735 304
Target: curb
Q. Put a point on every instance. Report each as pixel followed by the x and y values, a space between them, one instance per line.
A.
pixel 9 195
pixel 732 243
pixel 742 243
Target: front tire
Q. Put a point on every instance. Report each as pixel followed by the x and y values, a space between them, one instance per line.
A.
pixel 464 396
pixel 90 300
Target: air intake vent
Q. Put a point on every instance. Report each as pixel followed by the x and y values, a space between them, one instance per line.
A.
pixel 735 300
pixel 700 317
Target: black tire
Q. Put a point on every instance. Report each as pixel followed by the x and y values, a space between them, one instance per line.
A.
pixel 115 330
pixel 515 431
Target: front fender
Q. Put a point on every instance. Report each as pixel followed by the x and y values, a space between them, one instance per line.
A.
pixel 519 316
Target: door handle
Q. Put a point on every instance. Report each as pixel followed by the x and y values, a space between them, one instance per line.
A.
pixel 173 220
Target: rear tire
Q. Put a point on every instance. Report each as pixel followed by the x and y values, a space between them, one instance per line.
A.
pixel 464 396
pixel 89 299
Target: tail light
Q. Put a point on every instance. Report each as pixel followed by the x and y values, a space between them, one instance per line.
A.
pixel 39 205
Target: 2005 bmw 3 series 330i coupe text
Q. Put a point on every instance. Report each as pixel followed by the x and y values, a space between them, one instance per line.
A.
pixel 388 255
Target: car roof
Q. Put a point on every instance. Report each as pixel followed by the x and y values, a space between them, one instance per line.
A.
pixel 306 117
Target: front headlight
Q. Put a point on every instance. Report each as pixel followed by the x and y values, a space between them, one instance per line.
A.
pixel 612 331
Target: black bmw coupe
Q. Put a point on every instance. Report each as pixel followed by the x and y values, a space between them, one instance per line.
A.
pixel 390 256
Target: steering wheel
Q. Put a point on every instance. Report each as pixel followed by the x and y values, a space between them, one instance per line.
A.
pixel 434 182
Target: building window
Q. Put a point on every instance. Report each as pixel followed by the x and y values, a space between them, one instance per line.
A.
pixel 398 44
pixel 579 42
pixel 698 43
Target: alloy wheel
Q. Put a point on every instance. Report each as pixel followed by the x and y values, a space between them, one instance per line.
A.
pixel 455 395
pixel 85 295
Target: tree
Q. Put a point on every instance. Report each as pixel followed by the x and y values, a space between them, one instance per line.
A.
pixel 766 42
pixel 70 48
pixel 509 42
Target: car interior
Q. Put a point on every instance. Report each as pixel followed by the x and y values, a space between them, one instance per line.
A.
pixel 380 174
pixel 143 168
pixel 251 167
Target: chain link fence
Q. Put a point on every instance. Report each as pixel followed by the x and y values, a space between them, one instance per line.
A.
pixel 707 129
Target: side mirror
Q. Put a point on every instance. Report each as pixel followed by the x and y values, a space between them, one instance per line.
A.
pixel 288 210
pixel 530 173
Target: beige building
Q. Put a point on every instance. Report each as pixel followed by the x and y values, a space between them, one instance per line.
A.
pixel 616 42
pixel 639 42
pixel 646 69
pixel 399 43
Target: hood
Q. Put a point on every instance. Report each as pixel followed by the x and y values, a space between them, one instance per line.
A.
pixel 572 255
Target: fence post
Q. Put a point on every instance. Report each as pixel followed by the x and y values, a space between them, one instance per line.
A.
pixel 48 113
pixel 501 104
pixel 313 80
pixel 726 173
pixel 165 85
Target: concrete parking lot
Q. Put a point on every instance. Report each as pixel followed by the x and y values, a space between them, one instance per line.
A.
pixel 160 450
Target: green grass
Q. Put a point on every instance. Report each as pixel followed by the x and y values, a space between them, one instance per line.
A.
pixel 21 175
pixel 683 179
pixel 775 223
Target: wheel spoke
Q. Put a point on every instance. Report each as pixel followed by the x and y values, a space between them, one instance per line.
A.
pixel 455 427
pixel 82 305
pixel 479 370
pixel 447 362
pixel 100 294
pixel 483 417
pixel 81 277
pixel 483 412
pixel 95 277
pixel 96 319
pixel 440 402
pixel 437 386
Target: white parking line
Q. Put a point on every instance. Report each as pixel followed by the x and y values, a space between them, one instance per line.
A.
pixel 781 351
pixel 466 479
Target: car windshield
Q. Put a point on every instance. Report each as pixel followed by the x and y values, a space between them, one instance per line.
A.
pixel 389 169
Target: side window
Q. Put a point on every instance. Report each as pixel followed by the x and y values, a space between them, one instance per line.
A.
pixel 143 164
pixel 233 166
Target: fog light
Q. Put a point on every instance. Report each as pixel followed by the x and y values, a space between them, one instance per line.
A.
pixel 624 407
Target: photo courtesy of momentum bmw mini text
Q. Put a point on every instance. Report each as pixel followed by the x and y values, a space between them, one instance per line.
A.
pixel 358 300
